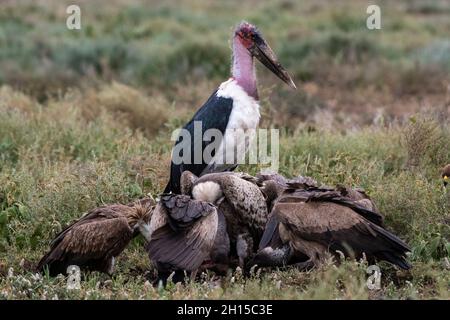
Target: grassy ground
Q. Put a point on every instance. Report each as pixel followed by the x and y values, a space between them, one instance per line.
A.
pixel 86 118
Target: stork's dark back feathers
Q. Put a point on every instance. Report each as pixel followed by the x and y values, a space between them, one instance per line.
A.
pixel 215 114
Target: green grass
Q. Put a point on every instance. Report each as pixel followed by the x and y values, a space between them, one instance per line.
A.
pixel 56 165
pixel 86 119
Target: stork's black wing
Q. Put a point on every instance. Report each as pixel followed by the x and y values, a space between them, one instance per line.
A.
pixel 214 114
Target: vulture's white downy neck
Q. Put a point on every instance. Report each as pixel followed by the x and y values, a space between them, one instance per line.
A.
pixel 208 191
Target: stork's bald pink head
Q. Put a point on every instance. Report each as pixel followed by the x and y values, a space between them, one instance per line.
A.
pixel 251 38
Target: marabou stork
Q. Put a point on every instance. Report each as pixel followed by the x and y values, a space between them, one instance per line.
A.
pixel 234 105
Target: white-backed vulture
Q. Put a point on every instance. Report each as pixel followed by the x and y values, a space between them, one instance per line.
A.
pixel 242 204
pixel 274 185
pixel 182 234
pixel 93 241
pixel 307 222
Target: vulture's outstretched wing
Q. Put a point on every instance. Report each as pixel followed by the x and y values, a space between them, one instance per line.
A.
pixel 186 241
pixel 339 227
pixel 221 249
pixel 89 242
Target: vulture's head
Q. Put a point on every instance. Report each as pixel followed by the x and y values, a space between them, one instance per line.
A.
pixel 140 212
pixel 446 174
pixel 187 181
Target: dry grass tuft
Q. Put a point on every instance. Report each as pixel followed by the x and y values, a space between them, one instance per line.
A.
pixel 15 100
pixel 138 111
pixel 425 142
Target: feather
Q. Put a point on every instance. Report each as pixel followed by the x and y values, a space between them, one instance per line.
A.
pixel 244 197
pixel 185 249
pixel 339 228
pixel 92 241
pixel 183 211
pixel 215 114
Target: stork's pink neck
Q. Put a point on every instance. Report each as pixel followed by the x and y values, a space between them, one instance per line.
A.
pixel 243 68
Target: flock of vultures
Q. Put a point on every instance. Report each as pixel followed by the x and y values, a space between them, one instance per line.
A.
pixel 212 218
pixel 224 220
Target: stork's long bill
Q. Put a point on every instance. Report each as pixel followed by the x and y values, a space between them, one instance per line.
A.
pixel 252 39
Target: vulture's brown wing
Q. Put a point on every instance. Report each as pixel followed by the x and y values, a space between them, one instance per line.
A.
pixel 340 228
pixel 187 247
pixel 221 249
pixel 358 195
pixel 247 200
pixel 324 195
pixel 356 206
pixel 101 234
pixel 271 235
pixel 305 184
pixel 303 191
pixel 99 213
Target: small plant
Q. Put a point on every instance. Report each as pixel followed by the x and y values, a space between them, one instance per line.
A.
pixel 425 142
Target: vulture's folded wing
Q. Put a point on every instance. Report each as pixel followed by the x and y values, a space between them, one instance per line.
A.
pixel 99 235
pixel 247 200
pixel 323 195
pixel 271 236
pixel 339 227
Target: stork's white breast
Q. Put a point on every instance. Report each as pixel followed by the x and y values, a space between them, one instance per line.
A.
pixel 245 116
pixel 245 113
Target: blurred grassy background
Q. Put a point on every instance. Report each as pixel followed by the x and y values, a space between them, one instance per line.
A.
pixel 86 118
